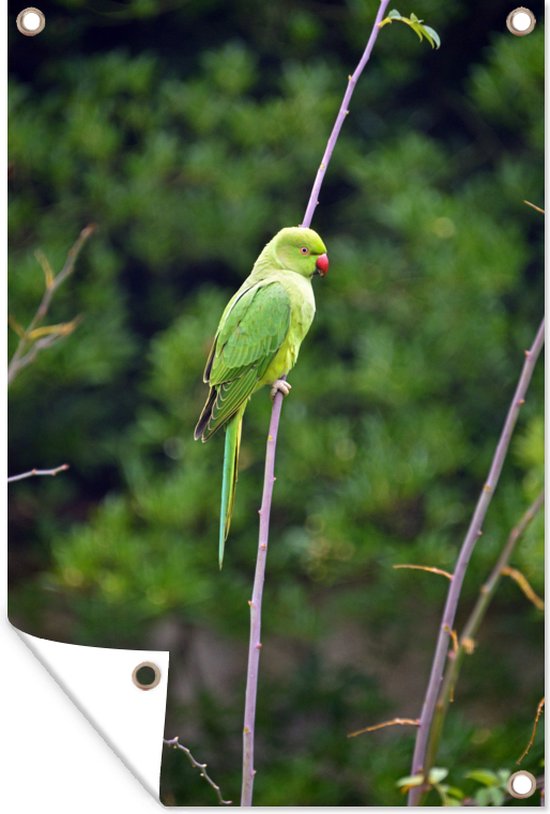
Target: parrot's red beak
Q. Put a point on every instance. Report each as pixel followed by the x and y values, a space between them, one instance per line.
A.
pixel 322 264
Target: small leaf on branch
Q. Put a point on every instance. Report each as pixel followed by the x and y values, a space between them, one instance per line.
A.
pixel 61 329
pixel 422 31
pixel 409 782
pixel 483 776
pixel 49 275
pixel 437 774
pixel 432 36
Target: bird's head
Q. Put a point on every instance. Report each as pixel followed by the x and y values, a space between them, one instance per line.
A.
pixel 301 250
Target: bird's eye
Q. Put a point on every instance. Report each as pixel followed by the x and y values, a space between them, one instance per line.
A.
pixel 304 250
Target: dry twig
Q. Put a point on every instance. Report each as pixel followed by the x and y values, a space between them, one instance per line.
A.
pixel 35 337
pixel 429 568
pixel 535 207
pixel 39 472
pixel 524 585
pixel 533 733
pixel 384 724
pixel 175 744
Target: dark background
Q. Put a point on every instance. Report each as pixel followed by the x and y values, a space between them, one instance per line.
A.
pixel 189 133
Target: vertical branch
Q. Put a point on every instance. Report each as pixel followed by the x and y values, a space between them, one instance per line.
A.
pixel 342 113
pixel 472 535
pixel 255 603
pixel 469 632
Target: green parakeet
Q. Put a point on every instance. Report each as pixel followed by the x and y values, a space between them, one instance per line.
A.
pixel 257 342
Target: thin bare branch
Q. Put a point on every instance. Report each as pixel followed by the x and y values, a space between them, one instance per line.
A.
pixel 419 762
pixel 255 605
pixel 175 744
pixel 340 118
pixel 33 339
pixel 429 568
pixel 384 724
pixel 535 207
pixel 524 585
pixel 32 473
pixel 259 576
pixel 534 732
pixel 467 638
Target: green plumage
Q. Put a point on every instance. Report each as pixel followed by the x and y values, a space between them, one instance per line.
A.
pixel 257 342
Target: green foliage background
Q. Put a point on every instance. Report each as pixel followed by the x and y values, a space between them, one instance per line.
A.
pixel 190 132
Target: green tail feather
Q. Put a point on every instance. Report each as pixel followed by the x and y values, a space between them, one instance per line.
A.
pixel 229 477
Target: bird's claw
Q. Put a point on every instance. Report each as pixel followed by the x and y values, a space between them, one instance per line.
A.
pixel 280 386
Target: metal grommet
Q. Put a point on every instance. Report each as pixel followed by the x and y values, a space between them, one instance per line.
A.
pixel 521 21
pixel 521 784
pixel 31 21
pixel 146 675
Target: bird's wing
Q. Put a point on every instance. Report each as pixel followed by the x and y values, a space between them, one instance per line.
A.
pixel 246 343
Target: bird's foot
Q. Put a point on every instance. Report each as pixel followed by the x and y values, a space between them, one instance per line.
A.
pixel 280 386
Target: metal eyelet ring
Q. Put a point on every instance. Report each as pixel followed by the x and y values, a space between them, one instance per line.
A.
pixel 31 21
pixel 521 21
pixel 521 784
pixel 146 676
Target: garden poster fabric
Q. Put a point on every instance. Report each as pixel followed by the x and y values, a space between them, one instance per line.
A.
pixel 155 149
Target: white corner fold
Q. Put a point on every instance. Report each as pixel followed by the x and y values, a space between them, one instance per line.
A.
pixel 99 681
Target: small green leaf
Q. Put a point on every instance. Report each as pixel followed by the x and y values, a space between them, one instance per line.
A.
pixel 496 796
pixel 428 38
pixel 432 34
pixel 453 791
pixel 422 31
pixel 46 268
pixel 437 775
pixel 410 781
pixel 482 797
pixel 484 776
pixel 503 775
pixel 415 27
pixel 61 329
